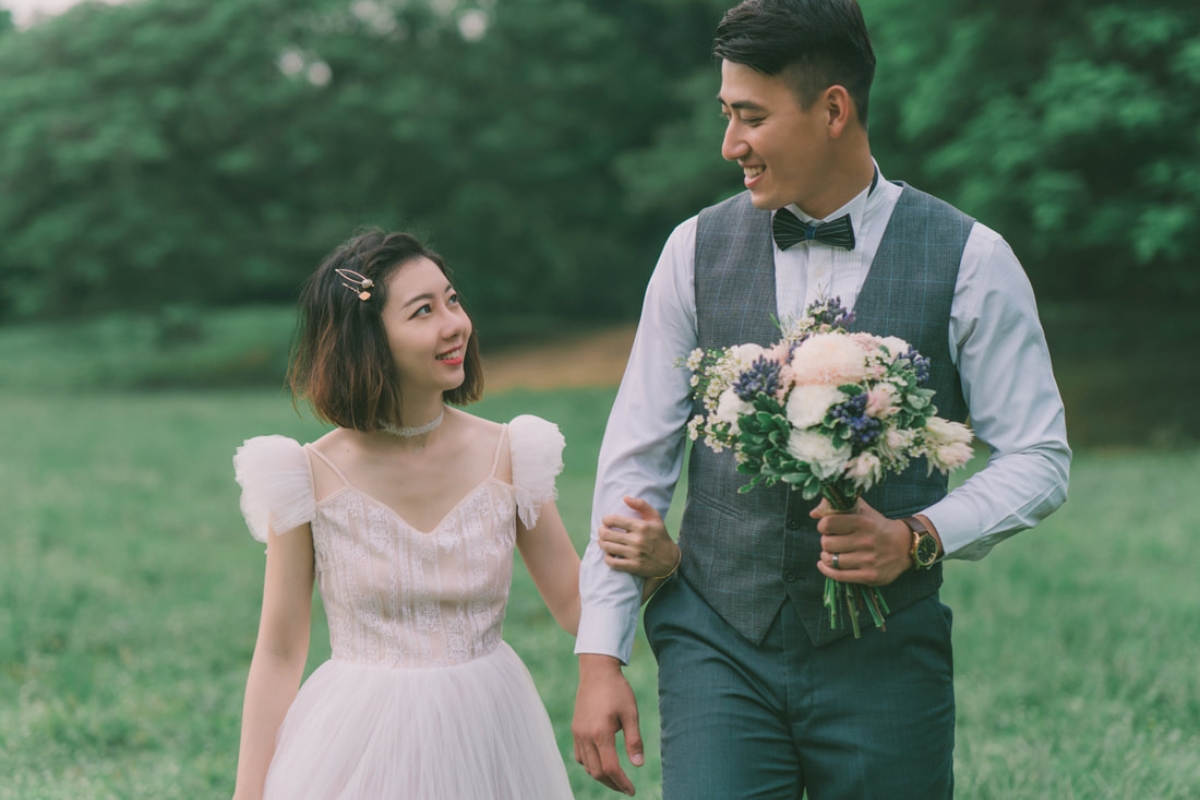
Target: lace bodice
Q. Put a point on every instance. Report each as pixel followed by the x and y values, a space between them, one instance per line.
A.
pixel 396 596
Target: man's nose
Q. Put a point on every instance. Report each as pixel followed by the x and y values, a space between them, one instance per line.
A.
pixel 733 146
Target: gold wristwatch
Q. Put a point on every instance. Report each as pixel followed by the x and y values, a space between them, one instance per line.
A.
pixel 924 546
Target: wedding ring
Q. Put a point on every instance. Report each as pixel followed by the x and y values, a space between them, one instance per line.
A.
pixel 835 561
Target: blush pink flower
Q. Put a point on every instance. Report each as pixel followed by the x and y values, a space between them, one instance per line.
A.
pixel 780 352
pixel 881 401
pixel 828 359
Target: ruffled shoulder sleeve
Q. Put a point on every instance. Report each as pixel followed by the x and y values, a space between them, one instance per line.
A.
pixel 277 488
pixel 537 447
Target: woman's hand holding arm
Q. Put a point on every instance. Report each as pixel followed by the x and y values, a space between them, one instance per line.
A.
pixel 640 545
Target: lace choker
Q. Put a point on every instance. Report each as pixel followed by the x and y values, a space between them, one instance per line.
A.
pixel 406 432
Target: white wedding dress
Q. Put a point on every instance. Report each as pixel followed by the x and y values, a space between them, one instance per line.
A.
pixel 422 699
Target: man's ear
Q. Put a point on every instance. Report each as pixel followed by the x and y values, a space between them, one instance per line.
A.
pixel 839 110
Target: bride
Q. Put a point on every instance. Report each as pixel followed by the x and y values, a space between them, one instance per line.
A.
pixel 405 515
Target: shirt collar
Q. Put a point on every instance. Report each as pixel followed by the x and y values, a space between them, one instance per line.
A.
pixel 856 208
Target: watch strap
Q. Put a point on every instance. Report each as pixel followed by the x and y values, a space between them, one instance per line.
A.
pixel 919 530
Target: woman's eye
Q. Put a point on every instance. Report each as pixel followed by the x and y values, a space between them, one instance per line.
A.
pixel 453 299
pixel 423 310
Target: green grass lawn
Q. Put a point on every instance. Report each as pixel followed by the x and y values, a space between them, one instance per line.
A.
pixel 130 589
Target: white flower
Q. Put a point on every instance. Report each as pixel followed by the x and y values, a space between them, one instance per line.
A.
pixel 744 355
pixel 695 359
pixel 941 431
pixel 895 345
pixel 825 460
pixel 865 469
pixel 899 439
pixel 828 358
pixel 729 408
pixel 950 456
pixel 808 405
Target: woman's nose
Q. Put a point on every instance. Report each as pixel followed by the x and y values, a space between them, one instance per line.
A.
pixel 457 325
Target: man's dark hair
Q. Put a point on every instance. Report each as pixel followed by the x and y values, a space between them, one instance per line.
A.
pixel 812 44
pixel 341 361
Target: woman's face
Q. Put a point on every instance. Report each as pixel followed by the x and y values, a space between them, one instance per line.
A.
pixel 426 327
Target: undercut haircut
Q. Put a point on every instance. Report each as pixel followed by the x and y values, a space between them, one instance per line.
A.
pixel 811 44
pixel 341 363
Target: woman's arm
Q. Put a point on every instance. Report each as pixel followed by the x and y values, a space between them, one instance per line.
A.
pixel 279 654
pixel 553 564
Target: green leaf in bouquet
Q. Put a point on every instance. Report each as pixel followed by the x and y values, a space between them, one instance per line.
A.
pixel 767 403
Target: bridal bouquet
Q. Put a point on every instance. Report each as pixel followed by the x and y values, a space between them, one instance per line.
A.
pixel 828 412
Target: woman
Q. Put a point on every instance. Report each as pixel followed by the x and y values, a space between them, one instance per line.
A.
pixel 406 515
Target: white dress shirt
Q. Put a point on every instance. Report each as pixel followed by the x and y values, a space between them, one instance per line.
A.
pixel 996 342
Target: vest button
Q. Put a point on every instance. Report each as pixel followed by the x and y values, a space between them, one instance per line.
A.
pixel 789 576
pixel 793 523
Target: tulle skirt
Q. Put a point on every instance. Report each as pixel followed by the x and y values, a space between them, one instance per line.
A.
pixel 473 731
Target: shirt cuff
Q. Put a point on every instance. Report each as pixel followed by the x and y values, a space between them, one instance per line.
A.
pixel 958 528
pixel 606 631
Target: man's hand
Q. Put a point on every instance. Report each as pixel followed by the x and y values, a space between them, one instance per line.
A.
pixel 872 550
pixel 605 704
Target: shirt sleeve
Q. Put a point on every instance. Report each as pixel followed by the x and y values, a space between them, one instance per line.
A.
pixel 1000 350
pixel 642 452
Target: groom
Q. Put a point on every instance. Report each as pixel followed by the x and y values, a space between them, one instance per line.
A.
pixel 758 696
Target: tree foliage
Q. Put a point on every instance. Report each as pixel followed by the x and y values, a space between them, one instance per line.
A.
pixel 1073 128
pixel 210 151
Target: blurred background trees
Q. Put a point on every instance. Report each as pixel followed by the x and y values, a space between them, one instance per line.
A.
pixel 209 152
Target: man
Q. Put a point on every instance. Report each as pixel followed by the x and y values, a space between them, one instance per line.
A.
pixel 758 696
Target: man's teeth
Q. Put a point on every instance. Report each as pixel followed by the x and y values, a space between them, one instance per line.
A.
pixel 753 172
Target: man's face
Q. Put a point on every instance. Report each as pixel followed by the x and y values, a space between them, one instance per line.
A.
pixel 783 150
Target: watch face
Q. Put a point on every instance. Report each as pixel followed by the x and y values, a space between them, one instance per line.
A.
pixel 926 551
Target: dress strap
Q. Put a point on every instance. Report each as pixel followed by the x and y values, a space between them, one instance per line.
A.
pixel 312 451
pixel 499 449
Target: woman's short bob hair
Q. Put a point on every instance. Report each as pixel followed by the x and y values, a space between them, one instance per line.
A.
pixel 341 362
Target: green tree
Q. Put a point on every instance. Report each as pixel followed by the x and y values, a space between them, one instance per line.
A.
pixel 1069 127
pixel 212 150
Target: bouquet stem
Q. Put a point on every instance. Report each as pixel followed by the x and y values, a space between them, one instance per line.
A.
pixel 851 595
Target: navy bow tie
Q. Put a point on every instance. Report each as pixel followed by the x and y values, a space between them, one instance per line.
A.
pixel 789 230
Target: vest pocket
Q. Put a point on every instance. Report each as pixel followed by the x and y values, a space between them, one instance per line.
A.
pixel 703 498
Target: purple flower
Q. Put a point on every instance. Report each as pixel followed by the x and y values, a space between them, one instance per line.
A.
pixel 920 364
pixel 864 430
pixel 762 376
pixel 830 312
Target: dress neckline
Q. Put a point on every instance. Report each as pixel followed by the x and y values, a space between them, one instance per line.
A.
pixel 347 485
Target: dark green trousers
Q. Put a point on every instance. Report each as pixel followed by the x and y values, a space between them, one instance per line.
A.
pixel 857 719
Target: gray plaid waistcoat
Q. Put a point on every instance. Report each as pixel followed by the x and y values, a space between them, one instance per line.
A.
pixel 746 553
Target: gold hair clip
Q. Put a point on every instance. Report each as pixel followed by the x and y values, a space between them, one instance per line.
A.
pixel 357 283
